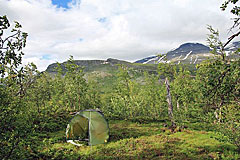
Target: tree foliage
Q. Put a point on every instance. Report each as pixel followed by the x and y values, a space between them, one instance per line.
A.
pixel 11 45
pixel 15 122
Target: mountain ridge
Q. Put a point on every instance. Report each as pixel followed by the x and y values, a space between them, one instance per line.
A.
pixel 187 53
pixel 102 65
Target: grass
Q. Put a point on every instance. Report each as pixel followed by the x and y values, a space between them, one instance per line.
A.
pixel 130 140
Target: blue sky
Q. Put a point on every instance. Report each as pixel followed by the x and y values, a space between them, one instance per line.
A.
pixel 61 3
pixel 122 29
pixel 46 57
pixel 64 3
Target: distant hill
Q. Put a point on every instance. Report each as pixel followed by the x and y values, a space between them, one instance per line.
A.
pixel 187 53
pixel 109 65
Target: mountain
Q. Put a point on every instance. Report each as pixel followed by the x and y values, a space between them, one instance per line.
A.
pixel 187 53
pixel 234 46
pixel 107 66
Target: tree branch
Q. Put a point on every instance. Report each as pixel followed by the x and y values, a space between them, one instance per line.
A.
pixel 230 39
pixel 10 37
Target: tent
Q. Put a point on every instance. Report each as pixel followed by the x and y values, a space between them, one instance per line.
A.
pixel 89 126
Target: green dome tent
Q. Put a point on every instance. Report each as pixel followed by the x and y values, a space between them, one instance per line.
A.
pixel 88 125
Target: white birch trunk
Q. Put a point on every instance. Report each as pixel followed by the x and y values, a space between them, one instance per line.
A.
pixel 169 100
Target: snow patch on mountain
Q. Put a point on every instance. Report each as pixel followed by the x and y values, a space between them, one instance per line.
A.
pixel 187 55
pixel 179 57
pixel 160 59
pixel 195 60
pixel 191 59
pixel 153 59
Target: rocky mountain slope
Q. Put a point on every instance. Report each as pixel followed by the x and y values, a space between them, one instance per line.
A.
pixel 187 53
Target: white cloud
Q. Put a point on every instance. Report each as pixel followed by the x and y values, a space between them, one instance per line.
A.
pixel 98 29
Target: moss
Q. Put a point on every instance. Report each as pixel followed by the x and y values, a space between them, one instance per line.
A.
pixel 142 141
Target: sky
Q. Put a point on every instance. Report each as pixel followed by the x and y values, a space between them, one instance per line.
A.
pixel 123 29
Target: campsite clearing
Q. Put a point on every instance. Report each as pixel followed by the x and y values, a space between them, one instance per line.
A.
pixel 129 140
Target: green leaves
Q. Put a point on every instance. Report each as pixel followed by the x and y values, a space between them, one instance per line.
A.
pixel 4 23
pixel 11 46
pixel 235 10
pixel 15 116
pixel 137 100
pixel 216 46
pixel 219 81
pixel 229 124
pixel 167 70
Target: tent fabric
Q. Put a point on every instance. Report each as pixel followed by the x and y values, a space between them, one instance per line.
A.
pixel 88 125
pixel 78 128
